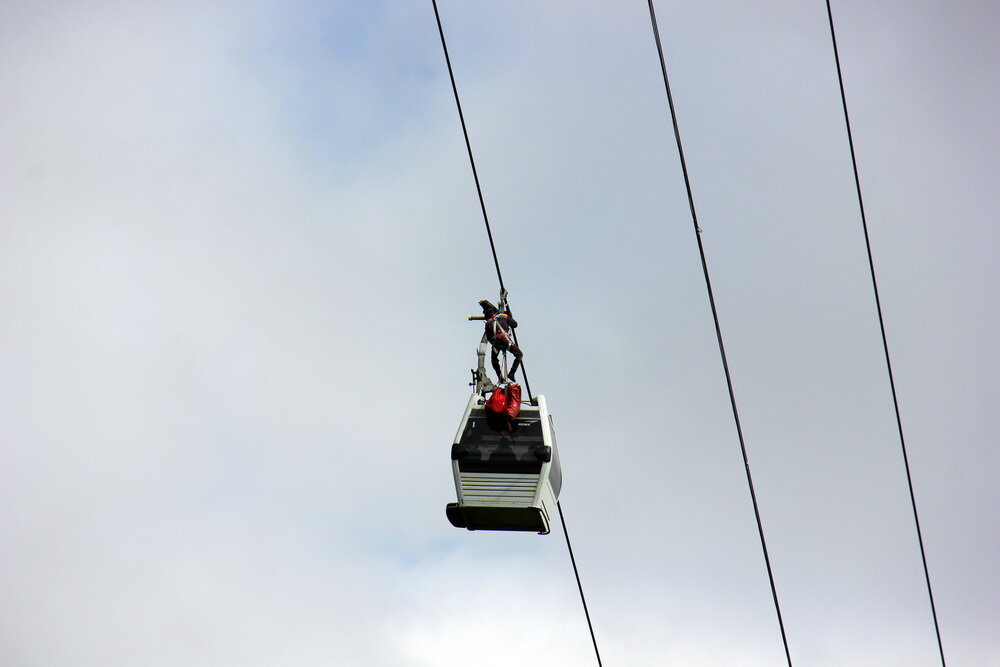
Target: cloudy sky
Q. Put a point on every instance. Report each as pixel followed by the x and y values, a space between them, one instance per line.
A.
pixel 238 244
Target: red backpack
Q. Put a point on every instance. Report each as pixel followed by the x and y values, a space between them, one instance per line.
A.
pixel 503 406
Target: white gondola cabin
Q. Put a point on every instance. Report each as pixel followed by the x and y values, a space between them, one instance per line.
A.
pixel 505 481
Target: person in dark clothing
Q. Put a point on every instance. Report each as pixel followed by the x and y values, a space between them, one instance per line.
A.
pixel 499 332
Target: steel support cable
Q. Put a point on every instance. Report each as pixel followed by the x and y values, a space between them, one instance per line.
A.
pixel 468 144
pixel 579 585
pixel 881 324
pixel 718 328
pixel 496 262
pixel 475 176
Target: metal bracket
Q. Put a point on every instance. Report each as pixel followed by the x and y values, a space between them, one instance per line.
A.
pixel 483 383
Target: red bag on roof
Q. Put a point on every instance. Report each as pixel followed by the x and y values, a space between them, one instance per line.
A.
pixel 503 406
pixel 513 407
pixel 497 402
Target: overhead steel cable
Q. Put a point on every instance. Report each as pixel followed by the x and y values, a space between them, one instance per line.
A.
pixel 579 585
pixel 881 324
pixel 718 327
pixel 468 144
pixel 475 177
pixel 489 233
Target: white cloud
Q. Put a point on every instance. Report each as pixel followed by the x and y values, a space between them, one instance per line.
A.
pixel 239 244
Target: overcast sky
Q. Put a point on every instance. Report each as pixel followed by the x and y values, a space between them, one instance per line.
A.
pixel 238 245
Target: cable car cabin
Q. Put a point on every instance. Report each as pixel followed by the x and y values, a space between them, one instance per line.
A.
pixel 505 481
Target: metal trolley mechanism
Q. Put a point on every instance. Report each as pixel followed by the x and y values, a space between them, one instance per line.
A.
pixel 505 480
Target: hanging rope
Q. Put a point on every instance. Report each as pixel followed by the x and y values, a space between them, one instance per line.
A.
pixel 503 292
pixel 718 329
pixel 881 324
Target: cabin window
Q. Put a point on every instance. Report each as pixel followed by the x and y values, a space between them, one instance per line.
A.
pixel 487 450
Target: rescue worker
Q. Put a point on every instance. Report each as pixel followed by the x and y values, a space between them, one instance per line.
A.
pixel 499 326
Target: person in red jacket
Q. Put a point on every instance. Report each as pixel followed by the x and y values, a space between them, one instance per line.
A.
pixel 499 332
